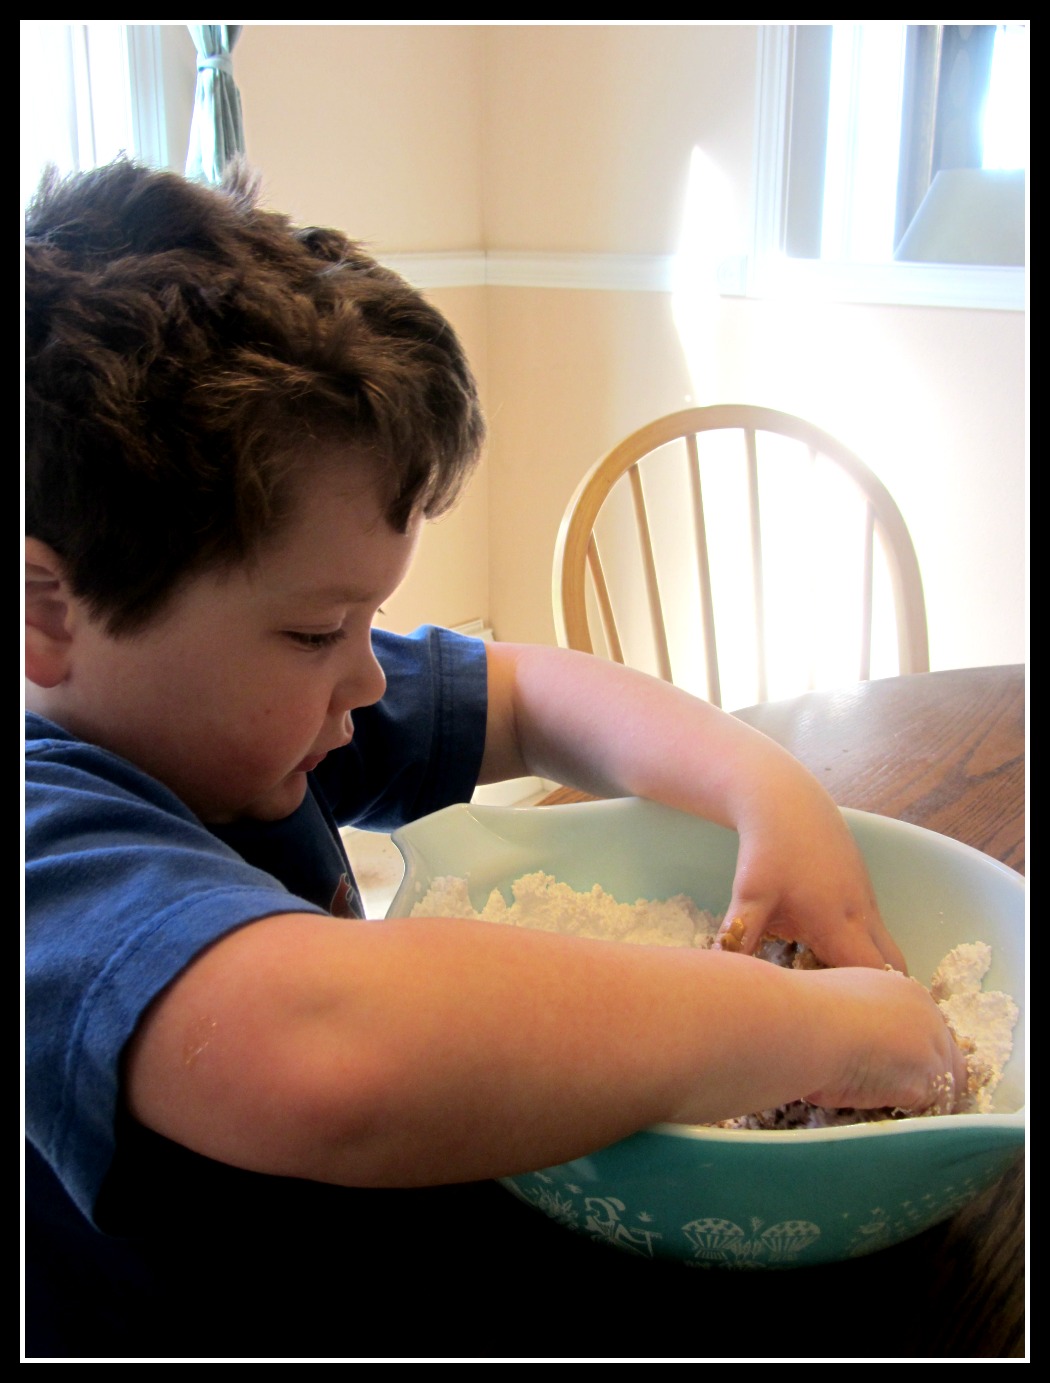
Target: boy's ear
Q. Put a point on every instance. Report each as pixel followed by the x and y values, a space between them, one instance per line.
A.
pixel 48 616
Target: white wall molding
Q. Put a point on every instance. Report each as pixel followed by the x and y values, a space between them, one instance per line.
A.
pixel 936 285
pixel 619 273
pixel 442 269
pixel 525 269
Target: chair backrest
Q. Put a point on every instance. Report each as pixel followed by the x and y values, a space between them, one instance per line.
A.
pixel 803 525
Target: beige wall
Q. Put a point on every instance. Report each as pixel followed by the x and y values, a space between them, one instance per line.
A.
pixel 577 139
pixel 373 128
pixel 588 131
pixel 569 374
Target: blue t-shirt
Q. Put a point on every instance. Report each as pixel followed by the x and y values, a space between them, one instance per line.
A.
pixel 124 887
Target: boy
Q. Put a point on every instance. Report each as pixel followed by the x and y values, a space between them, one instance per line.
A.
pixel 234 432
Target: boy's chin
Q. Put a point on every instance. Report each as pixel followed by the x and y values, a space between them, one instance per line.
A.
pixel 274 805
pixel 286 798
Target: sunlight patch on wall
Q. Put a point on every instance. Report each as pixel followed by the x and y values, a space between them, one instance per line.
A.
pixel 812 517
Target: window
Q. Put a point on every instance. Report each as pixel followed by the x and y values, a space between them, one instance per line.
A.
pixel 90 91
pixel 847 153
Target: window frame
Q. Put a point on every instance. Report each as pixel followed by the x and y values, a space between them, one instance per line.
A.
pixel 768 272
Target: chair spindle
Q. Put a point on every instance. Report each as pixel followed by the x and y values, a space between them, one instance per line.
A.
pixel 652 589
pixel 703 566
pixel 754 514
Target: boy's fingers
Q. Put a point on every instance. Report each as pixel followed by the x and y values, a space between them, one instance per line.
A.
pixel 855 942
pixel 853 946
pixel 885 950
pixel 948 1089
pixel 740 931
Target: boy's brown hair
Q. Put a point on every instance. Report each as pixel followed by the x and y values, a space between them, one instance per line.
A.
pixel 188 352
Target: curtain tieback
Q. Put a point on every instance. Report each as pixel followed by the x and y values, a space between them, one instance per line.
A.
pixel 216 62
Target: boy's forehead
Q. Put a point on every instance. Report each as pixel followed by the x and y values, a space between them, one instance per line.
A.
pixel 335 545
pixel 342 593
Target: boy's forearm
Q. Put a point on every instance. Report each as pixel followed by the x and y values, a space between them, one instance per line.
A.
pixel 420 1052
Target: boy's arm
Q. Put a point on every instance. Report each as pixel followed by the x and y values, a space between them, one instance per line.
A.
pixel 595 725
pixel 421 1052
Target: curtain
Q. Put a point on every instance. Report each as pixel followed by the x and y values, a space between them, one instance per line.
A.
pixel 217 131
pixel 946 75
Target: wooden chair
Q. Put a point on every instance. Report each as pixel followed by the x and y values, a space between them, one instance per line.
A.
pixel 763 470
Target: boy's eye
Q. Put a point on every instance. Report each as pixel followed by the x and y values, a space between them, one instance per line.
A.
pixel 316 641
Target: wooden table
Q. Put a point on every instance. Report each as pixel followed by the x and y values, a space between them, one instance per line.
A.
pixel 944 750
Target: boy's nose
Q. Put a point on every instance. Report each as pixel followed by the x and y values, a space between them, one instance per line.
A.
pixel 363 683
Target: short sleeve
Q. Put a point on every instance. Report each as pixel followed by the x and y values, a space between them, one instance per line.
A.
pixel 124 887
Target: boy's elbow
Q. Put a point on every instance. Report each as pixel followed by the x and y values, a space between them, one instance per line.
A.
pixel 279 1112
pixel 252 1059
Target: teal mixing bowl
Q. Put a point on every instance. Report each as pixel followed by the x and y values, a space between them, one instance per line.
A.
pixel 735 1198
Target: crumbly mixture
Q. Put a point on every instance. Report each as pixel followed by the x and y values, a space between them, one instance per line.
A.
pixel 982 1023
pixel 544 905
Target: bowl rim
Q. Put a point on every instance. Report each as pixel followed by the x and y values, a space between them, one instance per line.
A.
pixel 482 812
pixel 1015 1123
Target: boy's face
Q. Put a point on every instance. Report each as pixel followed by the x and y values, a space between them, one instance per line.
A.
pixel 248 679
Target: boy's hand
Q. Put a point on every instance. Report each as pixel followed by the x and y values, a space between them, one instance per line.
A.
pixel 612 731
pixel 893 1045
pixel 800 876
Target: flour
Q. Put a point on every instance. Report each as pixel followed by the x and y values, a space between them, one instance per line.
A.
pixel 544 905
pixel 982 1023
